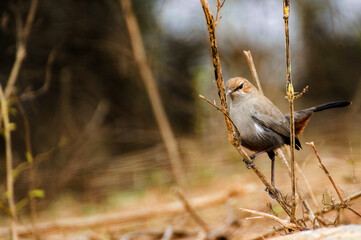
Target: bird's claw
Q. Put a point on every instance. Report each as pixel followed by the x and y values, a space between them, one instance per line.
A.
pixel 271 194
pixel 249 165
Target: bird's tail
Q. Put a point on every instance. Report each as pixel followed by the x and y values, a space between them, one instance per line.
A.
pixel 330 105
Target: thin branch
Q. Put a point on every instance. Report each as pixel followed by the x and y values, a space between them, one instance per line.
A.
pixel 354 211
pixel 219 6
pixel 191 211
pixel 9 164
pixel 232 136
pixel 251 65
pixel 298 95
pixel 326 172
pixel 222 111
pixel 284 223
pixel 290 95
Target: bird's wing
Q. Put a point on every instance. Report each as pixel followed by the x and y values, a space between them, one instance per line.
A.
pixel 269 116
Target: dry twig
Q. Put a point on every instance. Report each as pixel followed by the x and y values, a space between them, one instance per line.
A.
pixel 251 65
pixel 343 203
pixel 318 214
pixel 284 223
pixel 326 171
pixel 219 6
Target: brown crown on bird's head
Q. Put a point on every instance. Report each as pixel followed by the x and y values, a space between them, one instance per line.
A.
pixel 239 86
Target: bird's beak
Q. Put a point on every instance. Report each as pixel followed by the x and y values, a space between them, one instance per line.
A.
pixel 229 92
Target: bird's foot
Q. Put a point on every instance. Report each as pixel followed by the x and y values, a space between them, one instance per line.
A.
pixel 271 194
pixel 249 165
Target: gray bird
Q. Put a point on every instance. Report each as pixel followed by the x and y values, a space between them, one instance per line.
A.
pixel 262 125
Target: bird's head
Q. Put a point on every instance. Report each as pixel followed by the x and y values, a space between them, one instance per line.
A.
pixel 239 88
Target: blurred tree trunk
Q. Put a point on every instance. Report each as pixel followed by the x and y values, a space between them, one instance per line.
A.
pixel 152 90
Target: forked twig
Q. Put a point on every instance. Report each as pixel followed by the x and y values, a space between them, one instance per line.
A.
pixel 219 6
pixel 251 65
pixel 298 95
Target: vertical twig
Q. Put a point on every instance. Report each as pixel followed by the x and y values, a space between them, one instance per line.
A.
pixel 232 137
pixel 146 74
pixel 290 95
pixel 326 172
pixel 9 164
pixel 253 69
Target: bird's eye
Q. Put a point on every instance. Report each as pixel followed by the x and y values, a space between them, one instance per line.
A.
pixel 239 87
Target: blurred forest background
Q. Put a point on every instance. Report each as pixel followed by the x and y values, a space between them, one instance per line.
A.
pixel 93 132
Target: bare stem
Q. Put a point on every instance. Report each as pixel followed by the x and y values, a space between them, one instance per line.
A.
pixel 284 223
pixel 219 6
pixel 251 65
pixel 290 95
pixel 326 172
pixel 9 164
